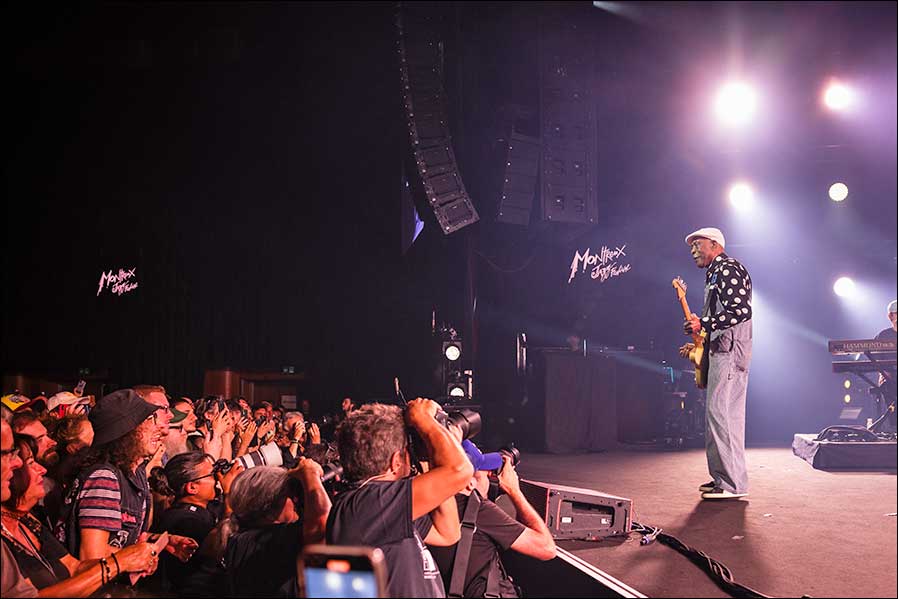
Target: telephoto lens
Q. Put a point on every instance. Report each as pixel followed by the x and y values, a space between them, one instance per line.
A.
pixel 331 470
pixel 267 455
pixel 465 419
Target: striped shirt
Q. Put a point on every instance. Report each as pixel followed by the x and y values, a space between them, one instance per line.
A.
pixel 100 502
pixel 105 503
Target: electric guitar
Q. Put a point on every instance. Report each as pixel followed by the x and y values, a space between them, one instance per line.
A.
pixel 698 356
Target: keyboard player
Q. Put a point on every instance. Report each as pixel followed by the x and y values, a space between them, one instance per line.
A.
pixel 889 334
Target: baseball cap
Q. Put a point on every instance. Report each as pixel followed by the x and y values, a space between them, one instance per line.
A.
pixel 14 401
pixel 482 461
pixel 177 416
pixel 893 306
pixel 711 233
pixel 117 414
pixel 66 398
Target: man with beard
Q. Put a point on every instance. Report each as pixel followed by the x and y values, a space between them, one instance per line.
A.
pixel 25 422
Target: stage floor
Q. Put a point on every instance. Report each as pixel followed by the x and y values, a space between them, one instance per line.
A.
pixel 800 531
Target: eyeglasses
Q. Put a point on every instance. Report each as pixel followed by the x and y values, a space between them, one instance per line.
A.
pixel 193 480
pixel 10 454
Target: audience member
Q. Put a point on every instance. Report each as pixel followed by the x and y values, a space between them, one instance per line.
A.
pixel 108 506
pixel 268 533
pixel 387 508
pixel 494 531
pixel 192 482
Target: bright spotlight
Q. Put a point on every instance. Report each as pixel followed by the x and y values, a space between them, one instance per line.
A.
pixel 847 384
pixel 452 351
pixel 838 192
pixel 843 287
pixel 741 196
pixel 837 96
pixel 735 103
pixel 847 398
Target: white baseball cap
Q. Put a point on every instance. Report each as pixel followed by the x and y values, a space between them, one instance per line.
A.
pixel 893 306
pixel 711 233
pixel 64 398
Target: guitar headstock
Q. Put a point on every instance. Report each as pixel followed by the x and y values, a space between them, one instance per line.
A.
pixel 680 286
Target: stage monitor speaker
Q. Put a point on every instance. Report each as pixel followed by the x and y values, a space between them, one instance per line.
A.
pixel 574 513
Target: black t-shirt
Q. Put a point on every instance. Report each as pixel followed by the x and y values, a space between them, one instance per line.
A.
pixel 379 514
pixel 200 576
pixel 50 549
pixel 496 531
pixel 261 562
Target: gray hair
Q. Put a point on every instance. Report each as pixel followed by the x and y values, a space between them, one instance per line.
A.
pixel 258 496
pixel 290 415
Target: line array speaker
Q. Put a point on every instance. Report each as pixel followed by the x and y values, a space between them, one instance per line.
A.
pixel 568 123
pixel 424 99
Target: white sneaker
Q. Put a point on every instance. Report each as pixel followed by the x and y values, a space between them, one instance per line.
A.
pixel 719 493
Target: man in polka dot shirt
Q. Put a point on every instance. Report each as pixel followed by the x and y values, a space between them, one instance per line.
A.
pixel 726 319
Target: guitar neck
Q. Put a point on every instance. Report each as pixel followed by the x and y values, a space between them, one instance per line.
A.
pixel 685 305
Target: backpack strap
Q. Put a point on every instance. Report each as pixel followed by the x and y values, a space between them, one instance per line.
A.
pixel 463 549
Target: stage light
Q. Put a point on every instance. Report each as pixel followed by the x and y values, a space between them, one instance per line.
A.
pixel 460 385
pixel 735 103
pixel 452 350
pixel 847 384
pixel 837 96
pixel 741 196
pixel 456 390
pixel 844 287
pixel 847 398
pixel 838 192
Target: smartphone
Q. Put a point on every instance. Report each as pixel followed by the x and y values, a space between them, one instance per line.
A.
pixel 79 388
pixel 342 571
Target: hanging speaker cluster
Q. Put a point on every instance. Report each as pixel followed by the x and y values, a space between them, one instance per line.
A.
pixel 424 99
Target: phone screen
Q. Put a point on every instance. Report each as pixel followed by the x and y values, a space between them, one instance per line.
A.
pixel 321 582
pixel 339 576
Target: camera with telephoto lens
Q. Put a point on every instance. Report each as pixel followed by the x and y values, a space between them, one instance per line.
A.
pixel 267 455
pixel 467 420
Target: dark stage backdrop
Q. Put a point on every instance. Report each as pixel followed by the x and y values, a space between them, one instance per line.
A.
pixel 243 160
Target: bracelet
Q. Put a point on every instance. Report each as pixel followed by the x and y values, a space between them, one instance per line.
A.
pixel 104 571
pixel 118 568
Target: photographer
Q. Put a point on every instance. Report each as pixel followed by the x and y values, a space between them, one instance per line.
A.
pixel 494 531
pixel 192 481
pixel 267 534
pixel 387 508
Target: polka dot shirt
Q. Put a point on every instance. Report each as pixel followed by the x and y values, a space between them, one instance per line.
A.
pixel 732 285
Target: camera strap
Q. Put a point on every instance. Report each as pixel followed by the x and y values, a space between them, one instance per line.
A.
pixel 463 549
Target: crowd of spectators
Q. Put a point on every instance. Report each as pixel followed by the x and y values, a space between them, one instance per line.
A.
pixel 141 493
